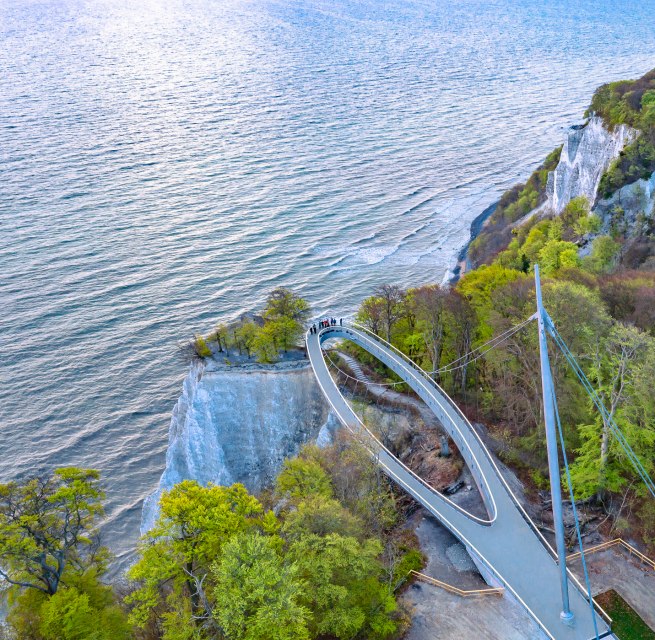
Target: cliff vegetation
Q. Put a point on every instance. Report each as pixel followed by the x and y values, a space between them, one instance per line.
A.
pixel 266 337
pixel 629 102
pixel 604 309
pixel 512 206
pixel 321 555
pixel 599 287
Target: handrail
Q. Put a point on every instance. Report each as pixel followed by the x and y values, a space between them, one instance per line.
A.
pixel 612 543
pixel 440 516
pixel 345 329
pixel 341 329
pixel 523 512
pixel 457 591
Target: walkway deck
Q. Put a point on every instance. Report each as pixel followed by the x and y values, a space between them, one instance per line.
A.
pixel 507 546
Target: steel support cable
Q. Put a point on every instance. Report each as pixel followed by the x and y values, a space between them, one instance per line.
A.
pixel 494 342
pixel 594 396
pixel 575 515
pixel 616 431
pixel 614 428
pixel 498 340
pixel 380 447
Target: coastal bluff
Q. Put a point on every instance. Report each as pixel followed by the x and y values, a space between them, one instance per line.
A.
pixel 587 153
pixel 238 423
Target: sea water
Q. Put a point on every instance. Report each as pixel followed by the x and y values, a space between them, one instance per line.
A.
pixel 166 163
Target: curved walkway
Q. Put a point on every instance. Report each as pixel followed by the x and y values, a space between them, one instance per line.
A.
pixel 506 546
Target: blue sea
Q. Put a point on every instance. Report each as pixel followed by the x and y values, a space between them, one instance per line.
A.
pixel 166 163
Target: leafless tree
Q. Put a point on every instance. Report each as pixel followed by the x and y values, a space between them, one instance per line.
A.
pixel 464 321
pixel 393 298
pixel 429 305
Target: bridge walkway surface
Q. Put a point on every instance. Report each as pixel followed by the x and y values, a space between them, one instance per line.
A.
pixel 507 547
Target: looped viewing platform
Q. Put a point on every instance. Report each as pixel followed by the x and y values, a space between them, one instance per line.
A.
pixel 507 547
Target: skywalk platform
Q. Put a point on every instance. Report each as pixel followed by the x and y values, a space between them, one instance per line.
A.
pixel 507 547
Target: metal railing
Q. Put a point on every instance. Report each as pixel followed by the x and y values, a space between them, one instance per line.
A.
pixel 613 543
pixel 373 338
pixel 359 337
pixel 473 431
pixel 424 375
pixel 489 591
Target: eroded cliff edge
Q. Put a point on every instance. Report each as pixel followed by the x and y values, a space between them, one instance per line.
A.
pixel 238 424
pixel 575 169
pixel 587 153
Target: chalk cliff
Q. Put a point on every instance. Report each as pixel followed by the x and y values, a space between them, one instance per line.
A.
pixel 238 424
pixel 587 153
pixel 632 199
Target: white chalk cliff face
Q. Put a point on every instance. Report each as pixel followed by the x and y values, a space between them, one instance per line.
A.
pixel 587 153
pixel 238 424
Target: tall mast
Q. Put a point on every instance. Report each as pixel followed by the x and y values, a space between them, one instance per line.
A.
pixel 551 443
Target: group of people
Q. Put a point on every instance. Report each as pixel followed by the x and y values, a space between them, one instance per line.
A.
pixel 324 324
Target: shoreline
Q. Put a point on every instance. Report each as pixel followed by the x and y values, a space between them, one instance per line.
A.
pixel 462 257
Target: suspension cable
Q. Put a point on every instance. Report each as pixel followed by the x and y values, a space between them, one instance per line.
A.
pixel 607 418
pixel 575 513
pixel 491 344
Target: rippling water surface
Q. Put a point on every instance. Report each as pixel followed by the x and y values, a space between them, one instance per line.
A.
pixel 165 163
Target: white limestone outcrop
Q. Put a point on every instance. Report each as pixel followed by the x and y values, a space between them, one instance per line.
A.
pixel 634 200
pixel 238 424
pixel 587 153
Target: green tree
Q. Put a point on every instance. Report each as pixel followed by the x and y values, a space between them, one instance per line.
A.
pixel 221 335
pixel 302 478
pixel 200 347
pixel 555 229
pixel 576 209
pixel 556 254
pixel 265 343
pixel 569 258
pixel 371 314
pixel 48 527
pixel 258 594
pixel 172 573
pixel 535 241
pixel 287 332
pixel 72 614
pixel 587 224
pixel 283 303
pixel 479 286
pixel 246 334
pixel 603 256
pixel 50 554
pixel 599 466
pixel 429 304
pixel 321 515
pixel 344 590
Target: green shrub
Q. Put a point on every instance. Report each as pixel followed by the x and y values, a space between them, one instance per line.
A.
pixel 636 162
pixel 603 257
pixel 587 224
pixel 201 347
